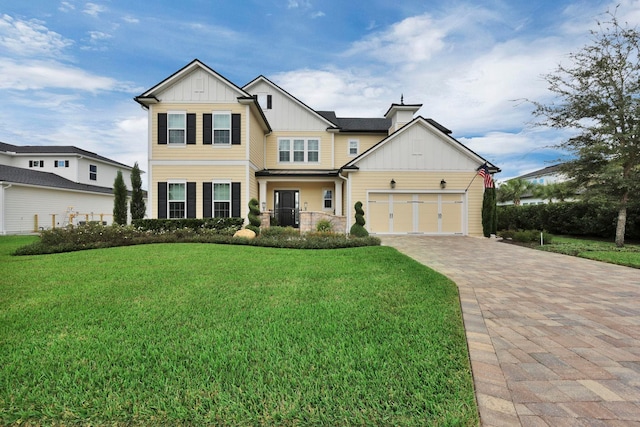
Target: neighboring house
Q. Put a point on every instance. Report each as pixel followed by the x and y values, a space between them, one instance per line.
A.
pixel 213 146
pixel 544 176
pixel 51 186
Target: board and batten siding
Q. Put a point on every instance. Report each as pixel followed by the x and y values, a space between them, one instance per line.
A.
pixel 22 203
pixel 200 174
pixel 363 182
pixel 200 86
pixel 198 150
pixel 365 142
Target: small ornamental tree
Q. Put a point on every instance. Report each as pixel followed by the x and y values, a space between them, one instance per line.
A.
pixel 137 206
pixel 254 216
pixel 119 200
pixel 357 229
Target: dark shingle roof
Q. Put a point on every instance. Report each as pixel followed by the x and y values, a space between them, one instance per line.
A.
pixel 352 124
pixel 15 175
pixel 55 149
pixel 549 170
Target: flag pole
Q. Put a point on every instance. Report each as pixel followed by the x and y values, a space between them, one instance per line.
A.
pixel 474 178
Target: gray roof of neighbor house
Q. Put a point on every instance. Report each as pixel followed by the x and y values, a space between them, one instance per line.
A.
pixel 549 170
pixel 56 149
pixel 14 175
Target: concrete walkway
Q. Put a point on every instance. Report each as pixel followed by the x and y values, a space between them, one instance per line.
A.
pixel 554 340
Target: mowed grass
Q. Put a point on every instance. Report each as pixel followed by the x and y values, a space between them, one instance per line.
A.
pixel 202 334
pixel 598 250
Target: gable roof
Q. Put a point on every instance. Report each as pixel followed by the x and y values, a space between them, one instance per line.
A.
pixel 261 78
pixel 419 120
pixel 149 96
pixel 56 149
pixel 24 176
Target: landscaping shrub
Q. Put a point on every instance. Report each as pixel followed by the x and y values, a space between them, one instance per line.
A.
pixel 254 216
pixel 281 232
pixel 583 218
pixel 324 225
pixel 221 225
pixel 357 229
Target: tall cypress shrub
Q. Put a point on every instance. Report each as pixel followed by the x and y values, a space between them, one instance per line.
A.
pixel 489 217
pixel 137 205
pixel 119 200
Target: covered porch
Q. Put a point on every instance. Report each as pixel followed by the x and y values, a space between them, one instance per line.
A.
pixel 300 198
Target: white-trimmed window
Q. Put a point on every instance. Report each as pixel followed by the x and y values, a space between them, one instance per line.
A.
pixel 177 199
pixel 222 128
pixel 327 198
pixel 93 172
pixel 221 199
pixel 61 163
pixel 298 150
pixel 354 147
pixel 177 128
pixel 36 163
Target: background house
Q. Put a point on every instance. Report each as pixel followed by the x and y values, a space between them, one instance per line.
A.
pixel 545 176
pixel 52 186
pixel 214 145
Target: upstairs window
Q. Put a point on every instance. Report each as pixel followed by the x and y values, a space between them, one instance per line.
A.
pixel 177 199
pixel 93 172
pixel 264 100
pixel 177 128
pixel 221 128
pixel 298 150
pixel 36 163
pixel 353 147
pixel 61 163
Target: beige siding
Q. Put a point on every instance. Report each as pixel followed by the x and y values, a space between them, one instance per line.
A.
pixel 198 151
pixel 362 182
pixel 310 192
pixel 326 154
pixel 256 142
pixel 199 174
pixel 365 141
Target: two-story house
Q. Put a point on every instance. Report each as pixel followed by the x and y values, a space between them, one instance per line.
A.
pixel 51 186
pixel 214 145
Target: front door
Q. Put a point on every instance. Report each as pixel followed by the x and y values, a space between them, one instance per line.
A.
pixel 287 207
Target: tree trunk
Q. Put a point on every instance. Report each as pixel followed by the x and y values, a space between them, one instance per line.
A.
pixel 622 221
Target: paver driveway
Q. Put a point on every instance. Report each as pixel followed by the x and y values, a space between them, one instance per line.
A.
pixel 554 340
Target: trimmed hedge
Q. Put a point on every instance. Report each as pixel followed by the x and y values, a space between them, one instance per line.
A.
pixel 584 218
pixel 228 225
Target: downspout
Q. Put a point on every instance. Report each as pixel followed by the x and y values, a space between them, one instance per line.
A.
pixel 3 230
pixel 348 203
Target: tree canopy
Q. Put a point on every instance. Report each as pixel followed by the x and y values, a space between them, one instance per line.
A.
pixel 598 96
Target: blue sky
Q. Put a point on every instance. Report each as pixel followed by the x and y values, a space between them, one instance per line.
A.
pixel 69 69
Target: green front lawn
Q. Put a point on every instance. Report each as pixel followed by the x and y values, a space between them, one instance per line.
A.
pixel 197 334
pixel 598 250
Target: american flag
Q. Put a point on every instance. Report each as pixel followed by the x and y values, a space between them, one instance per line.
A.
pixel 483 171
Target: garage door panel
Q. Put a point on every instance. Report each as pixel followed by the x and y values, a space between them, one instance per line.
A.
pixel 377 216
pixel 402 216
pixel 451 217
pixel 428 217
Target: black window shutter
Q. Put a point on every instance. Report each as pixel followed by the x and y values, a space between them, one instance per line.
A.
pixel 55 163
pixel 207 193
pixel 268 102
pixel 191 199
pixel 162 200
pixel 235 129
pixel 235 199
pixel 191 128
pixel 41 163
pixel 207 131
pixel 66 163
pixel 162 128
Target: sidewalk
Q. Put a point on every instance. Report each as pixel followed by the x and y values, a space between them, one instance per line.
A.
pixel 554 340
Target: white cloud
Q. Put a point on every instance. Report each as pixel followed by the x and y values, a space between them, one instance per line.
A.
pixel 318 14
pixel 65 6
pixel 94 9
pixel 30 38
pixel 131 20
pixel 294 4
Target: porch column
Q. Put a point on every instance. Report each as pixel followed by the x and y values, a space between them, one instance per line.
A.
pixel 338 196
pixel 262 189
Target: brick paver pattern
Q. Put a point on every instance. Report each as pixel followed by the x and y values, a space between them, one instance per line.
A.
pixel 553 340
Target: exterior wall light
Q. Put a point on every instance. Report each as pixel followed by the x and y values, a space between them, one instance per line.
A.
pixel 443 184
pixel 392 184
pixel 264 206
pixel 305 205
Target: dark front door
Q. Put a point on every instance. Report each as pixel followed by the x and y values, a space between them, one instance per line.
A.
pixel 286 208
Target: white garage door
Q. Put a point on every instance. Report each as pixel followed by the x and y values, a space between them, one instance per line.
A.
pixel 403 213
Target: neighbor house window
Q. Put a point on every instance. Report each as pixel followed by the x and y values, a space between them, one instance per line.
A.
pixel 299 150
pixel 61 163
pixel 36 163
pixel 221 128
pixel 93 172
pixel 177 128
pixel 327 199
pixel 177 199
pixel 353 147
pixel 221 200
